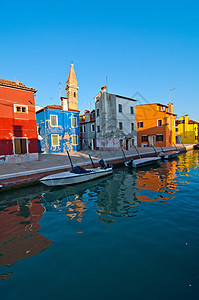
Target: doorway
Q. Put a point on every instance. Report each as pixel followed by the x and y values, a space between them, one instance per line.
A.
pixel 152 140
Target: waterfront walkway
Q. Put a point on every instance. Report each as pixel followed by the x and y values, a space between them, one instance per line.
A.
pixel 12 175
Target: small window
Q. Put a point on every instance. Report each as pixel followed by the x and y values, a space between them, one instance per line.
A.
pixel 132 142
pixel 159 123
pixel 144 138
pixel 53 120
pixel 132 110
pixel 140 124
pixel 98 128
pixel 132 126
pixel 120 108
pixel 21 109
pixel 159 138
pixel 97 112
pixel 81 129
pixel 121 143
pixel 55 140
pixel 74 139
pixel 74 94
pixel 84 128
pixel 120 125
pixel 93 127
pixel 74 122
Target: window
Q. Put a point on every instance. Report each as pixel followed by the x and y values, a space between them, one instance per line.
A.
pixel 132 126
pixel 20 146
pixel 93 127
pixel 21 108
pixel 120 125
pixel 84 128
pixel 74 122
pixel 196 138
pixel 74 139
pixel 81 129
pixel 144 138
pixel 132 142
pixel 53 120
pixel 173 123
pixel 74 94
pixel 140 124
pixel 121 143
pixel 97 112
pixel 132 110
pixel 55 140
pixel 98 128
pixel 159 123
pixel 120 107
pixel 159 138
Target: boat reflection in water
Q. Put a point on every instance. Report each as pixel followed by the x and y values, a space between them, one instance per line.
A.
pixel 19 231
pixel 117 196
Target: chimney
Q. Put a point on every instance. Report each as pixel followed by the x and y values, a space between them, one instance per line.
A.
pixel 64 103
pixel 170 107
pixel 104 88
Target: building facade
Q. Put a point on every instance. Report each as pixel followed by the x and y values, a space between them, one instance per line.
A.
pixel 58 125
pixel 115 121
pixel 87 130
pixel 187 131
pixel 18 129
pixel 155 125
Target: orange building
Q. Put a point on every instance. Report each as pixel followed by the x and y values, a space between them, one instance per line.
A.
pixel 155 125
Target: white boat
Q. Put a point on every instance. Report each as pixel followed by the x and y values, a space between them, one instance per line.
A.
pixel 169 154
pixel 142 162
pixel 72 177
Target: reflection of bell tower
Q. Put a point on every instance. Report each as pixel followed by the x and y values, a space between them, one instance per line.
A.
pixel 71 89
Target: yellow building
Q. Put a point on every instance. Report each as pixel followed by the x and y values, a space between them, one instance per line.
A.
pixel 187 132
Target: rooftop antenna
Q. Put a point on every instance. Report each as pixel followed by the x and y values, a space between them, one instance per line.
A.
pixel 106 82
pixel 60 89
pixel 17 82
pixel 170 94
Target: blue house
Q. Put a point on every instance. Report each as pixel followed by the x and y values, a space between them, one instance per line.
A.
pixel 58 125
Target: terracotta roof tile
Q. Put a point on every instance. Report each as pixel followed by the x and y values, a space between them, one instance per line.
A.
pixel 14 84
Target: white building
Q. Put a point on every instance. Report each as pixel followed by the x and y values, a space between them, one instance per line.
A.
pixel 115 121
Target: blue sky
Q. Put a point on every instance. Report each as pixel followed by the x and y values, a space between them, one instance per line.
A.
pixel 146 46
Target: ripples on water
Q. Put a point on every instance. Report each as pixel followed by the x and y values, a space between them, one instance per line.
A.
pixel 139 229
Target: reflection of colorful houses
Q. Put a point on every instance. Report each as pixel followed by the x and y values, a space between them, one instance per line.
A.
pixel 162 181
pixel 59 125
pixel 187 131
pixel 155 125
pixel 19 232
pixel 18 130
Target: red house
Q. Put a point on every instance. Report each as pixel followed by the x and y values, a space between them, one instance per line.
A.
pixel 18 129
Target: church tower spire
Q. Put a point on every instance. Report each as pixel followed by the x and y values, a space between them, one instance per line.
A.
pixel 71 89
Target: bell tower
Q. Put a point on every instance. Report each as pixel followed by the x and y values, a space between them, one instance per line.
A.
pixel 71 89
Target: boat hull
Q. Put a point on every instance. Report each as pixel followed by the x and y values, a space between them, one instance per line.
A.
pixel 170 155
pixel 142 162
pixel 67 178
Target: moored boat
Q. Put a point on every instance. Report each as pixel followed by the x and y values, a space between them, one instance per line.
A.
pixel 77 175
pixel 142 162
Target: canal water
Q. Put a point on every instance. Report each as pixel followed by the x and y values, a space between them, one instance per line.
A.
pixel 132 235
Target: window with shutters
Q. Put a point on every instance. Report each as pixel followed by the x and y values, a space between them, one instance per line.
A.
pixel 53 120
pixel 55 140
pixel 74 122
pixel 74 139
pixel 20 146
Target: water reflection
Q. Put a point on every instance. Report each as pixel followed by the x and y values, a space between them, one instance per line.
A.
pixel 19 231
pixel 121 195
